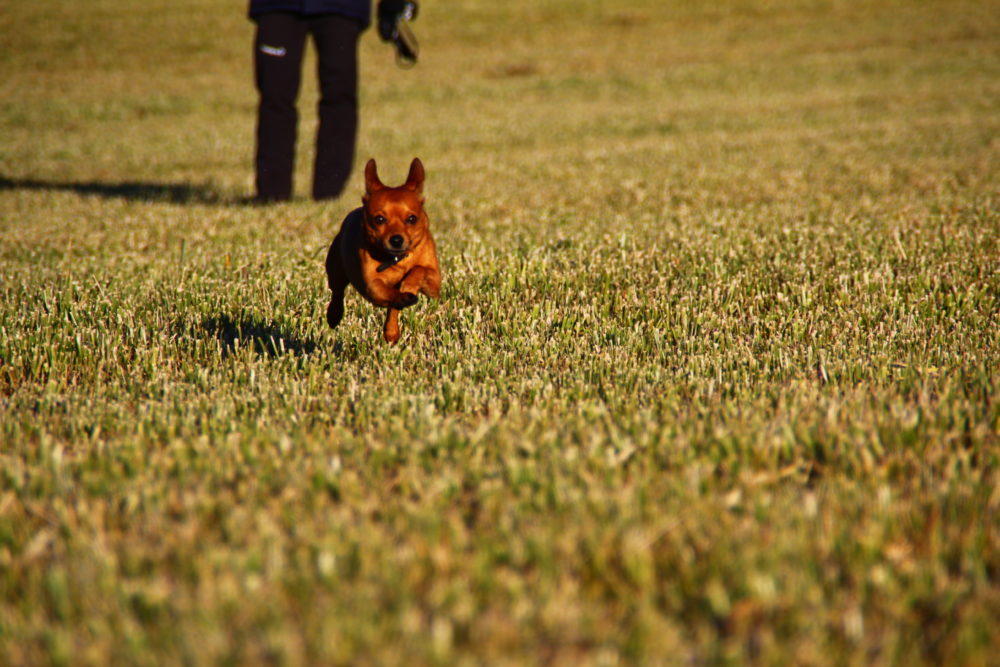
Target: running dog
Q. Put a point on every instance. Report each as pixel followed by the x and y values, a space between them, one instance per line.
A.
pixel 385 250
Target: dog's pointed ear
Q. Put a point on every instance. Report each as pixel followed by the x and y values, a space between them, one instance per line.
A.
pixel 372 182
pixel 415 179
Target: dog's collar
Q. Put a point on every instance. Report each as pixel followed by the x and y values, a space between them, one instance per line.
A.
pixel 393 261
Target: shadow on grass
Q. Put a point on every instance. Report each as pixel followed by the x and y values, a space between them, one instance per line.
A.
pixel 267 338
pixel 173 193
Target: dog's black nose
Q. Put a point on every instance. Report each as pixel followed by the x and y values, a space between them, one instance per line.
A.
pixel 396 241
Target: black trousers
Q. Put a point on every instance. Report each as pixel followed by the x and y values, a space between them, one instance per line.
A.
pixel 278 49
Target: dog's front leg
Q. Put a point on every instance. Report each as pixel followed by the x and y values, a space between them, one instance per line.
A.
pixel 382 294
pixel 414 281
pixel 391 331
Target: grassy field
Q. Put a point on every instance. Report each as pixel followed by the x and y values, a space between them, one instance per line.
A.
pixel 713 378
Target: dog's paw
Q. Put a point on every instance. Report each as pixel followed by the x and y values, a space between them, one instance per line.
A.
pixel 405 300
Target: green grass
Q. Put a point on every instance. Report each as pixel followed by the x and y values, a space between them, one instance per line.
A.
pixel 713 377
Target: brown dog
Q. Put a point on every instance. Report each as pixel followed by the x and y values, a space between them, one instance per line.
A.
pixel 385 250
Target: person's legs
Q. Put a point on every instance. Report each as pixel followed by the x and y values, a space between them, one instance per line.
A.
pixel 337 50
pixel 278 48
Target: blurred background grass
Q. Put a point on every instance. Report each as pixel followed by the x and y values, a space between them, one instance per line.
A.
pixel 713 377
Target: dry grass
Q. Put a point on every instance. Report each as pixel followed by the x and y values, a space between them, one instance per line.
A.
pixel 713 377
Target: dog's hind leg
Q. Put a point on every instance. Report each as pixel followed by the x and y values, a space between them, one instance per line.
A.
pixel 335 311
pixel 337 281
pixel 391 332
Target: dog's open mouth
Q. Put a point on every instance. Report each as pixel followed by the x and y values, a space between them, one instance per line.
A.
pixel 398 245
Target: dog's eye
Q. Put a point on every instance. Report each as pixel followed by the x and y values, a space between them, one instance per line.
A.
pixel 412 220
pixel 379 219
